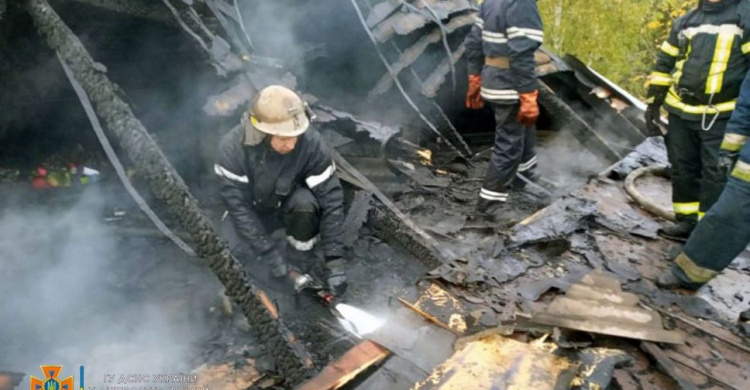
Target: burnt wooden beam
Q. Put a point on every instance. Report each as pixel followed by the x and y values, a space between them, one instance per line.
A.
pixel 411 54
pixel 291 359
pixel 144 9
pixel 667 366
pixel 391 224
pixel 570 121
pixel 435 80
pixel 606 113
pixel 352 363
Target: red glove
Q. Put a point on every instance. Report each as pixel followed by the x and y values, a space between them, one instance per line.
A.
pixel 473 96
pixel 528 112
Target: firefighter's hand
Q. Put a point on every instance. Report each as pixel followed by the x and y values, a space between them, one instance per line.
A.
pixel 336 276
pixel 528 111
pixel 653 120
pixel 474 95
pixel 727 160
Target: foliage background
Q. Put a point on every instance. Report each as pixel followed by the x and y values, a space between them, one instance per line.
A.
pixel 618 38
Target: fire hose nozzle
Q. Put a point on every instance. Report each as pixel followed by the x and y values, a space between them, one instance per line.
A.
pixel 302 282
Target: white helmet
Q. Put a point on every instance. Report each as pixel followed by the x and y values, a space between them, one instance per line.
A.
pixel 279 111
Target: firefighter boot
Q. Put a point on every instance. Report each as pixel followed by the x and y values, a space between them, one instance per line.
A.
pixel 681 230
pixel 668 281
pixel 490 210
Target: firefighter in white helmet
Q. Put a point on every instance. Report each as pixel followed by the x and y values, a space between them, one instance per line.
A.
pixel 277 172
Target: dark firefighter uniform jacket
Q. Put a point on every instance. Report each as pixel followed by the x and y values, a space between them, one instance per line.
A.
pixel 702 63
pixel 256 181
pixel 737 134
pixel 509 29
pixel 725 231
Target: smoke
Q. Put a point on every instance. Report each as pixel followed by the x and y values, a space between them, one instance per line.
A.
pixel 567 163
pixel 74 294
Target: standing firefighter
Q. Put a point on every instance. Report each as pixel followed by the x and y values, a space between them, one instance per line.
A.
pixel 500 51
pixel 697 78
pixel 275 173
pixel 725 231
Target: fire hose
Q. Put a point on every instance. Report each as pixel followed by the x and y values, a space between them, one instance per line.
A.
pixel 643 201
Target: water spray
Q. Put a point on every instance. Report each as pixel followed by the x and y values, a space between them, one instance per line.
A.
pixel 354 320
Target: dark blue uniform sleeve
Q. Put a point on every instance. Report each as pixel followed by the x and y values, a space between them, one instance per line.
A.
pixel 525 35
pixel 660 78
pixel 738 128
pixel 234 190
pixel 473 44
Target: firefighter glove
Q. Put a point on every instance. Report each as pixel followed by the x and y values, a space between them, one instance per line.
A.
pixel 336 276
pixel 474 95
pixel 653 120
pixel 727 160
pixel 528 111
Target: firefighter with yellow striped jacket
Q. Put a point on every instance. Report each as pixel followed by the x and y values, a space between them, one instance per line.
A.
pixel 697 80
pixel 725 231
pixel 500 54
pixel 275 173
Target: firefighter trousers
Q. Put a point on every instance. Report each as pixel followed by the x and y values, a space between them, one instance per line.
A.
pixel 697 180
pixel 299 216
pixel 514 151
pixel 719 238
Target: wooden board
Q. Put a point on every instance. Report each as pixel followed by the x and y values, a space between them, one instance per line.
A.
pixel 356 360
pixel 497 362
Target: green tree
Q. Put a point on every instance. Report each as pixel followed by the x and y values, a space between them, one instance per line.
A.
pixel 618 38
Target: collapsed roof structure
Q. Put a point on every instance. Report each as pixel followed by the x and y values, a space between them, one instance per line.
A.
pixel 403 58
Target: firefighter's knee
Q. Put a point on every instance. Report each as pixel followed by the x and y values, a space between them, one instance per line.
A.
pixel 302 220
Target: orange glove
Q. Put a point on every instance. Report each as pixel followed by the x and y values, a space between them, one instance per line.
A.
pixel 473 96
pixel 528 112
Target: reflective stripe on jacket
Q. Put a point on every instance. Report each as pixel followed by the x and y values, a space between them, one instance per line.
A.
pixel 505 28
pixel 703 60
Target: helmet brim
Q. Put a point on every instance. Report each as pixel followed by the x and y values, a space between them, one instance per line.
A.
pixel 283 128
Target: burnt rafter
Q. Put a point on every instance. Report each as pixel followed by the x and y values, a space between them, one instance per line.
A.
pixel 290 357
pixel 407 18
pixel 411 54
pixel 144 9
pixel 454 133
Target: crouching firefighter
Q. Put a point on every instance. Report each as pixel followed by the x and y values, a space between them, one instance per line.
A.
pixel 697 79
pixel 725 230
pixel 500 53
pixel 275 172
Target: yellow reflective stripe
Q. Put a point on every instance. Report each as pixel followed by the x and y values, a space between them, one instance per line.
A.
pixel 681 63
pixel 659 78
pixel 719 64
pixel 673 101
pixel 746 48
pixel 687 208
pixel 701 214
pixel 733 142
pixel 693 271
pixel 741 171
pixel 670 50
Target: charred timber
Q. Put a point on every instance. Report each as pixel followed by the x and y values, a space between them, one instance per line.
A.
pixel 144 9
pixel 410 55
pixel 569 120
pixel 292 361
